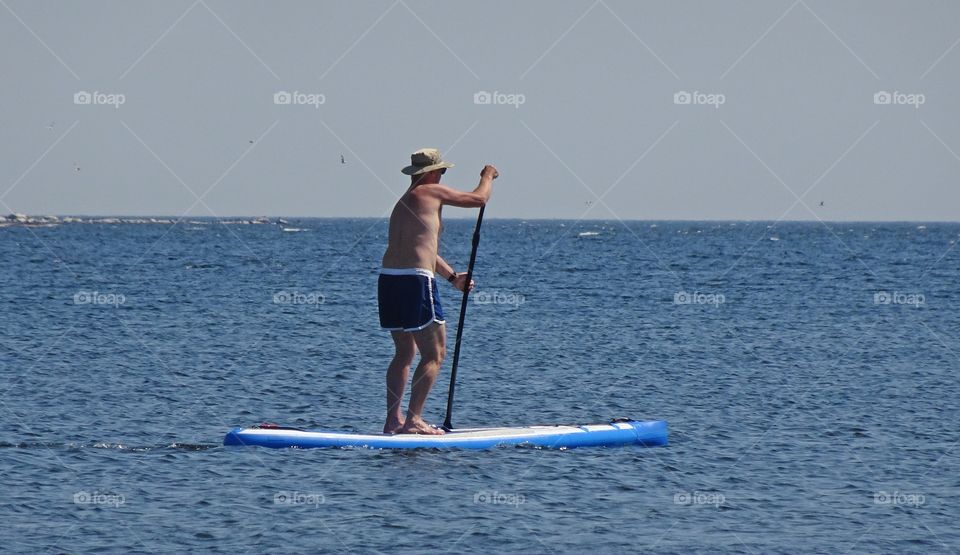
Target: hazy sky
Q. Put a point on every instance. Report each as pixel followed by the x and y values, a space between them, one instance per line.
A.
pixel 786 107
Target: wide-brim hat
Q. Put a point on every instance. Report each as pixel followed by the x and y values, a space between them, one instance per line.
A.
pixel 425 160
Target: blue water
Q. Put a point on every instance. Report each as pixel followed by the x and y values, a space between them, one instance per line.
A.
pixel 808 372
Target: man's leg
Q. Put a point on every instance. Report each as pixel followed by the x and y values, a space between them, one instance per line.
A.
pixel 432 342
pixel 397 374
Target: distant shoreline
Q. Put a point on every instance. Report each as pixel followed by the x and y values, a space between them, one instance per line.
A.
pixel 53 220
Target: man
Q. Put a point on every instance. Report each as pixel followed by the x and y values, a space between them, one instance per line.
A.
pixel 407 290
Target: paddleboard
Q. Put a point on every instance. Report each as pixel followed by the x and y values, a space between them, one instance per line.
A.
pixel 618 432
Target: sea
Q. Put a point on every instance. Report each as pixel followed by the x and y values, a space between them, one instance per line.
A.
pixel 808 372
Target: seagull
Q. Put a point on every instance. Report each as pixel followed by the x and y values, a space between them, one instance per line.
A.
pixel 76 166
pixel 342 161
pixel 821 203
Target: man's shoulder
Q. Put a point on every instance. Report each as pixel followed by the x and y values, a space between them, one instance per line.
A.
pixel 432 190
pixel 430 187
pixel 422 199
pixel 439 188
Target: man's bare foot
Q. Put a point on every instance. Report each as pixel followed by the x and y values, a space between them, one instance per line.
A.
pixel 393 425
pixel 416 425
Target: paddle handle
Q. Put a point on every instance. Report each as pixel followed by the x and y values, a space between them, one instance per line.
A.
pixel 447 424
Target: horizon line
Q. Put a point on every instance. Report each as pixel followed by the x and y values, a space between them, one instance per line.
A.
pixel 470 218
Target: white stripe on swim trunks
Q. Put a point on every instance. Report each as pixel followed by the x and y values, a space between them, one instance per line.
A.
pixel 406 272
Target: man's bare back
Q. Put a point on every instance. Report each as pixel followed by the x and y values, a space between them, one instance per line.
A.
pixel 414 230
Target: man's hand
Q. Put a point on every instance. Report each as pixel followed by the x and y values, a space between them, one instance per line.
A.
pixel 461 280
pixel 489 171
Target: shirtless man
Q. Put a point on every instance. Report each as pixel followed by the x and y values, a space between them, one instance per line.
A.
pixel 407 291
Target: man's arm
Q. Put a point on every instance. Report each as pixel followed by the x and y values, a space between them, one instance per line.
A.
pixel 445 270
pixel 475 199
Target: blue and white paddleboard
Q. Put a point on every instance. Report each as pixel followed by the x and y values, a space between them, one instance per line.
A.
pixel 620 432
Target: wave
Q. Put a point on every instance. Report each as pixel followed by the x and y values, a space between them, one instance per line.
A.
pixel 107 445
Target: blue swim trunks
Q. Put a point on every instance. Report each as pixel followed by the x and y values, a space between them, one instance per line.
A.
pixel 408 299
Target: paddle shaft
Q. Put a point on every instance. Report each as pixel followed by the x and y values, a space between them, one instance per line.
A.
pixel 447 424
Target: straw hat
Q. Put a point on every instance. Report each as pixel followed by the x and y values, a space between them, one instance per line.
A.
pixel 425 160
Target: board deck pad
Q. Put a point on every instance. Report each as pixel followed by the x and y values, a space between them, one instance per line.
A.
pixel 620 432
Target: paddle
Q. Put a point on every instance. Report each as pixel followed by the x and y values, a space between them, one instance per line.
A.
pixel 447 425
